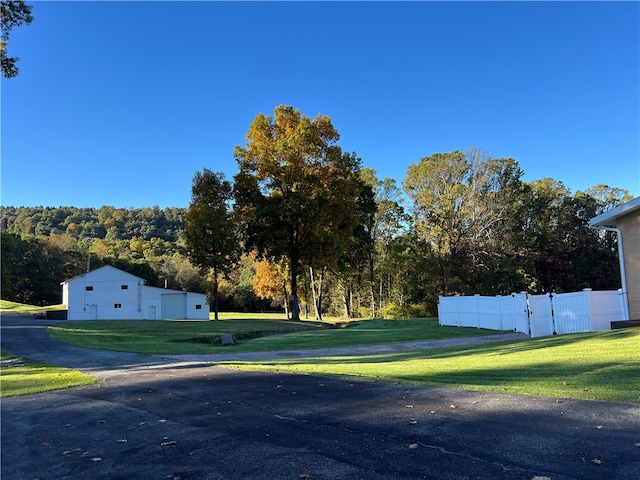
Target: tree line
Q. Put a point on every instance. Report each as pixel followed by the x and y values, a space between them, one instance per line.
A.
pixel 305 227
pixel 321 227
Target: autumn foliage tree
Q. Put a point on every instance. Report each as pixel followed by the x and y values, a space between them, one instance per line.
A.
pixel 210 231
pixel 462 205
pixel 269 282
pixel 296 192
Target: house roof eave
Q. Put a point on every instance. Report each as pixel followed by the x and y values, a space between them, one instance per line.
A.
pixel 609 219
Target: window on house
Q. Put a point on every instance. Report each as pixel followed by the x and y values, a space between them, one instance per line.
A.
pixel 198 307
pixel 124 287
pixel 88 288
pixel 117 305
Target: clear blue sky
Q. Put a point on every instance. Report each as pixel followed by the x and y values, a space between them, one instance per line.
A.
pixel 120 103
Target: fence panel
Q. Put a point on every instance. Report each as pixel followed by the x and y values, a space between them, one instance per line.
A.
pixel 448 311
pixel 572 312
pixel 535 315
pixel 506 316
pixel 489 312
pixel 468 311
pixel 606 306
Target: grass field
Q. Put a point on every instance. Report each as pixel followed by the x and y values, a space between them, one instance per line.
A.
pixel 20 308
pixel 254 334
pixel 20 376
pixel 593 366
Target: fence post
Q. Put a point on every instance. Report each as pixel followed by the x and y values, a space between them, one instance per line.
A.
pixel 554 325
pixel 588 294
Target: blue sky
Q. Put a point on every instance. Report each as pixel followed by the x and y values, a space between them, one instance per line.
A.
pixel 120 103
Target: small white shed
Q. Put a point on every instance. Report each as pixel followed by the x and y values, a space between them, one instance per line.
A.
pixel 109 293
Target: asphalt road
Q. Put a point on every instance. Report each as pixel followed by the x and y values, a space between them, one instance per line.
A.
pixel 153 418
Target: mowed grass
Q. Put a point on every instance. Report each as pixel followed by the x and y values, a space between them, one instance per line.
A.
pixel 23 309
pixel 19 376
pixel 592 366
pixel 253 334
pixel 172 337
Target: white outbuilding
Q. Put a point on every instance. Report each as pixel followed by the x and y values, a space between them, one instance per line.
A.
pixel 109 293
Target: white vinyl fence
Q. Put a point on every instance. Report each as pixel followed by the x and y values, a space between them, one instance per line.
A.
pixel 535 315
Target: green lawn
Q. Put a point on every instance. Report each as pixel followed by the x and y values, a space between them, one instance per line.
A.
pixel 20 376
pixel 594 366
pixel 254 334
pixel 23 309
pixel 175 337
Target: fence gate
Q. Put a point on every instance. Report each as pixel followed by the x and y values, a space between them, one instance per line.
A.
pixel 520 313
pixel 540 315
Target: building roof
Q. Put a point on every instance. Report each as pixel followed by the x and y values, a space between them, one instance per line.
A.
pixel 100 268
pixel 608 219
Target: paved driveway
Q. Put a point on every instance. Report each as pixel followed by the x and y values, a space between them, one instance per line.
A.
pixel 154 418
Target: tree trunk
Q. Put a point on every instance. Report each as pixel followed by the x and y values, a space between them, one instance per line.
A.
pixel 317 294
pixel 372 281
pixel 294 303
pixel 215 294
pixel 346 298
pixel 286 300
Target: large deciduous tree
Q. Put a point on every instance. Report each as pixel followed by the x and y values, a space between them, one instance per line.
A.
pixel 210 231
pixel 13 13
pixel 462 204
pixel 296 192
pixel 557 249
pixel 387 222
pixel 608 197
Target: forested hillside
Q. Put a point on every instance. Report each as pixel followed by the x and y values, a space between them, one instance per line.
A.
pixel 95 223
pixel 41 247
pixel 460 224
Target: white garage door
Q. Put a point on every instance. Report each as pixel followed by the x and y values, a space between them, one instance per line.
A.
pixel 173 305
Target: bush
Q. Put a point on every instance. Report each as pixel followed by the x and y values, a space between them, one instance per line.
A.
pixel 416 310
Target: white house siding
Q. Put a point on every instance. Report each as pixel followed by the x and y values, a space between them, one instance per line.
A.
pixel 117 295
pixel 197 306
pixel 155 302
pixel 106 293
